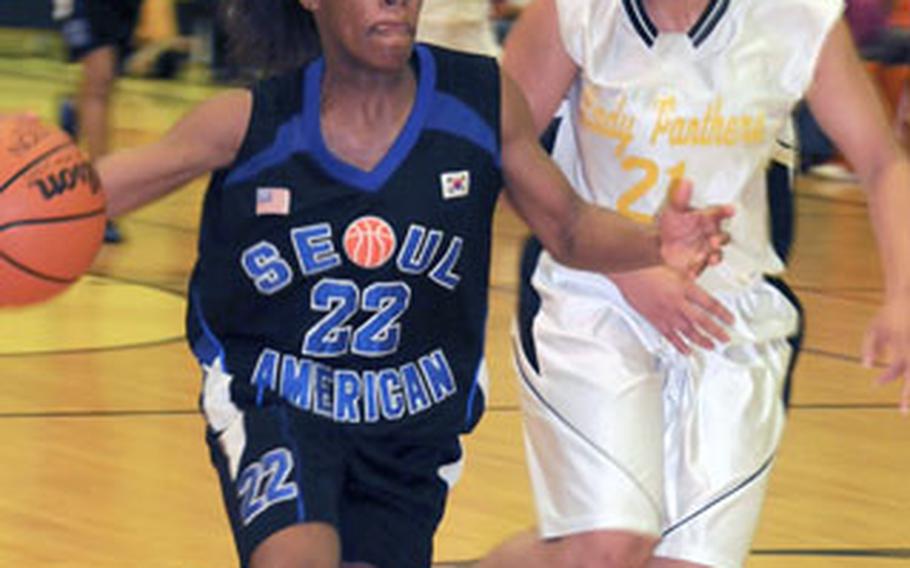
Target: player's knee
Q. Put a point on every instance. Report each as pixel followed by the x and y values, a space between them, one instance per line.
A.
pixel 310 545
pixel 611 549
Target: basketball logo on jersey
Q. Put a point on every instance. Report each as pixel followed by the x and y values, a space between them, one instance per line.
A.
pixel 369 242
pixel 455 184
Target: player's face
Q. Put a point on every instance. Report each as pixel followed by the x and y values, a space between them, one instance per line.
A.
pixel 375 33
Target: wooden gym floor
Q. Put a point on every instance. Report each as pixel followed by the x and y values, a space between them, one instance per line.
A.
pixel 102 445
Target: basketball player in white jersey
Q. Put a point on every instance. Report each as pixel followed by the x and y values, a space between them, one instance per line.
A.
pixel 649 438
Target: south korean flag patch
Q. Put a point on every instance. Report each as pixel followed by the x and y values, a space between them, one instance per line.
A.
pixel 455 185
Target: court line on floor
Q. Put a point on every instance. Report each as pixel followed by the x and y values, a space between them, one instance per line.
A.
pixel 836 292
pixel 153 412
pixel 87 350
pixel 141 283
pixel 858 203
pixel 162 225
pixel 882 553
pixel 149 87
pixel 888 553
pixel 808 288
pixel 140 345
pixel 500 408
pixel 101 414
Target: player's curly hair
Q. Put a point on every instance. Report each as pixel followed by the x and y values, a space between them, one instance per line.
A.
pixel 270 35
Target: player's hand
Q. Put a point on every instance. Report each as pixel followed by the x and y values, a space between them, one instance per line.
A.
pixel 691 239
pixel 677 307
pixel 888 339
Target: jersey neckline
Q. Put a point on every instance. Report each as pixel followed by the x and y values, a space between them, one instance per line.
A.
pixel 369 180
pixel 698 33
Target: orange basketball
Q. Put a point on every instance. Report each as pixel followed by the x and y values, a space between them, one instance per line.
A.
pixel 52 211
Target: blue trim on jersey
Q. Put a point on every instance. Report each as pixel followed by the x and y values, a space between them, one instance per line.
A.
pixel 347 173
pixel 471 417
pixel 452 116
pixel 298 463
pixel 288 141
pixel 303 133
pixel 206 348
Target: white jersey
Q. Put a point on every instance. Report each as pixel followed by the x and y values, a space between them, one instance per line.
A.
pixel 708 106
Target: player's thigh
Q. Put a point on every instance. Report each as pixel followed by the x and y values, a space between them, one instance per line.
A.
pixel 593 419
pixel 724 422
pixel 314 545
pixel 279 469
pixel 394 500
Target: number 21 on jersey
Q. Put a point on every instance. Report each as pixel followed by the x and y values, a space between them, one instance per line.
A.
pixel 648 182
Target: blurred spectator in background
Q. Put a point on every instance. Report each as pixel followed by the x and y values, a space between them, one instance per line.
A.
pixel 99 35
pixel 464 25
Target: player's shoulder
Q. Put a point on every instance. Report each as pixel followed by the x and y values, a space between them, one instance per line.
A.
pixel 472 79
pixel 592 12
pixel 800 22
pixel 454 67
pixel 804 8
pixel 279 94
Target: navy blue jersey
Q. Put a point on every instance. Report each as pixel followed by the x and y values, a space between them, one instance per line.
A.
pixel 357 296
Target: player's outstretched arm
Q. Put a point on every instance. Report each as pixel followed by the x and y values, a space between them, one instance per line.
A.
pixel 846 105
pixel 588 237
pixel 207 138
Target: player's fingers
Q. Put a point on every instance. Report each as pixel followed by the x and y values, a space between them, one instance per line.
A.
pixel 710 304
pixel 707 324
pixel 688 328
pixel 694 335
pixel 716 214
pixel 727 211
pixel 680 194
pixel 674 339
pixel 697 263
pixel 894 370
pixel 679 344
pixel 720 239
pixel 870 347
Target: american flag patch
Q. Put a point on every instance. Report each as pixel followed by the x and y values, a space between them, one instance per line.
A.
pixel 273 201
pixel 455 184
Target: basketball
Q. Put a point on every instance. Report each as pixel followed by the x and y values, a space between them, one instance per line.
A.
pixel 369 242
pixel 52 211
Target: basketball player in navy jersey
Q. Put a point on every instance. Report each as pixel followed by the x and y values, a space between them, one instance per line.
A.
pixel 660 457
pixel 338 302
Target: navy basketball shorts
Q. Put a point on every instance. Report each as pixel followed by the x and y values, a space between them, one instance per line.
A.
pixel 279 467
pixel 88 25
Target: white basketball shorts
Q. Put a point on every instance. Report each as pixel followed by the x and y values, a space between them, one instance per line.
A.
pixel 624 433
